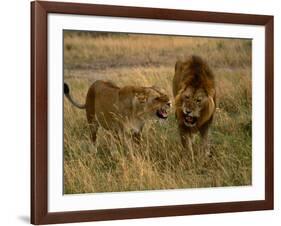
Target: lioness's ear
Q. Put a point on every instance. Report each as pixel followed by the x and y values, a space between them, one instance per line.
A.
pixel 155 87
pixel 158 89
pixel 178 65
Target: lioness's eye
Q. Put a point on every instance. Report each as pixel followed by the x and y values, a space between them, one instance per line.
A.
pixel 198 101
pixel 186 97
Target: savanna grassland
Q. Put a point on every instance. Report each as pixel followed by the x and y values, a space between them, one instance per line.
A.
pixel 159 162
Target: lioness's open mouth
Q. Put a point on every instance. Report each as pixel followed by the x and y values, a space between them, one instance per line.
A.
pixel 162 113
pixel 189 120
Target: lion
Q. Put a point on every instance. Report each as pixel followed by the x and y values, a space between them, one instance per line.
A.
pixel 195 100
pixel 123 109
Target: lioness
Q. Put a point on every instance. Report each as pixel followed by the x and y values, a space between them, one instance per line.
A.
pixel 122 109
pixel 195 100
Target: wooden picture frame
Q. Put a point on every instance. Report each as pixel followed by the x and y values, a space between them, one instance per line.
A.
pixel 39 112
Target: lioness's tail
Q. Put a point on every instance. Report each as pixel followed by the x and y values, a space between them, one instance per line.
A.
pixel 67 94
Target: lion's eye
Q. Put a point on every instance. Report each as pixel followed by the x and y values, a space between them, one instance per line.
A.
pixel 186 97
pixel 198 101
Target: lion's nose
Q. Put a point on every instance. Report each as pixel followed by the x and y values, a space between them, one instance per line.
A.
pixel 186 112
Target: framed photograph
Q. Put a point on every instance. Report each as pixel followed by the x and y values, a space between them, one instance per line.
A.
pixel 146 112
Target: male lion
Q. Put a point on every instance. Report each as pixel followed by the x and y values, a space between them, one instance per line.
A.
pixel 195 100
pixel 122 109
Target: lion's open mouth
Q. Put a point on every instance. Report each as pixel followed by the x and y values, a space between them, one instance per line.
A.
pixel 162 113
pixel 189 120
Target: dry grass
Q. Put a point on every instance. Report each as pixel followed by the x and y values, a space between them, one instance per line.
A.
pixel 160 162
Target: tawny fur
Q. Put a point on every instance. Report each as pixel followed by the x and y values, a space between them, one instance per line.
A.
pixel 123 109
pixel 194 79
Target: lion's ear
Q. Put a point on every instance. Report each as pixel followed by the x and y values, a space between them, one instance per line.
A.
pixel 212 93
pixel 178 65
